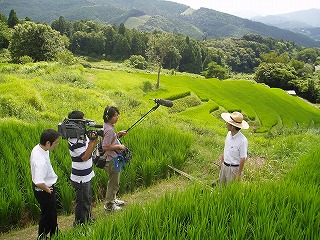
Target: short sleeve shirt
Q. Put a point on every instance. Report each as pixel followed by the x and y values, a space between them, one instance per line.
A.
pixel 81 171
pixel 109 138
pixel 235 148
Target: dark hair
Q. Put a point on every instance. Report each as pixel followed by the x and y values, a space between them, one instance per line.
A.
pixel 76 114
pixel 109 112
pixel 48 135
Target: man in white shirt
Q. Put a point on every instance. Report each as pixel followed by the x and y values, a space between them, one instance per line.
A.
pixel 44 178
pixel 235 149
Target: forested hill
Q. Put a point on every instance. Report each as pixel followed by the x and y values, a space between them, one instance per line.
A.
pixel 150 15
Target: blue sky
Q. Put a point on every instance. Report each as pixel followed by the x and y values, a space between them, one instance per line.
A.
pixel 249 8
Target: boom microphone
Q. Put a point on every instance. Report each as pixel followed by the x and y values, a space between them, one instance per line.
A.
pixel 91 123
pixel 163 102
pixel 97 126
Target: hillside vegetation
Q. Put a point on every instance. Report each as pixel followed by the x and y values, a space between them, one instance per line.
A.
pixel 277 199
pixel 164 15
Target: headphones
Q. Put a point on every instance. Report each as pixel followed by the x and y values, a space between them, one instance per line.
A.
pixel 107 113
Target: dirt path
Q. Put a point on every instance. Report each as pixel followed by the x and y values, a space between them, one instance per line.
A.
pixel 140 196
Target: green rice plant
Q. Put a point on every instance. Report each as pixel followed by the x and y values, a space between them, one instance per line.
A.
pixel 256 100
pixel 201 113
pixel 304 172
pixel 16 204
pixel 129 179
pixel 65 194
pixel 233 212
pixel 148 168
pixel 8 68
pixel 32 207
pixel 185 103
pixel 99 184
pixel 5 209
pixel 195 134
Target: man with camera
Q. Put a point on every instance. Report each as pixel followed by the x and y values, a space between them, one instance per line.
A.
pixel 81 148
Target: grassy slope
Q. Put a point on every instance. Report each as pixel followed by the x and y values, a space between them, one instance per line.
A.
pixel 269 107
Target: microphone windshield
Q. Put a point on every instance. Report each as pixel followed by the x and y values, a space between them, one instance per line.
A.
pixel 164 102
pixel 98 126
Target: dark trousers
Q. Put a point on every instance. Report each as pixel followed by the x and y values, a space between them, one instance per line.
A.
pixel 48 218
pixel 83 201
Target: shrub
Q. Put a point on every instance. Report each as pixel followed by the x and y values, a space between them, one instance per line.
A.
pixel 138 61
pixel 65 58
pixel 5 55
pixel 25 59
pixel 215 70
pixel 147 86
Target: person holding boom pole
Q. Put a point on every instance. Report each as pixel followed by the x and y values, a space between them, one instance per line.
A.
pixel 112 146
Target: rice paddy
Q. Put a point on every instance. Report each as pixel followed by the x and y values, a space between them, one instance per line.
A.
pixel 276 200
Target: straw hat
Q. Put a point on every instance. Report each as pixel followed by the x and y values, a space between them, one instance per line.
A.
pixel 235 119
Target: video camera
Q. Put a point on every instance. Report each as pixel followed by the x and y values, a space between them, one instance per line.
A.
pixel 79 128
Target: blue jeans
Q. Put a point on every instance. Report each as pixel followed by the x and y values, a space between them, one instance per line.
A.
pixel 83 201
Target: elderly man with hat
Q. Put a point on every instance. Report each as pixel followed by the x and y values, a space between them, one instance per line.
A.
pixel 235 148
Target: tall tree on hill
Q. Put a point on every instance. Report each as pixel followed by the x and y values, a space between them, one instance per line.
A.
pixel 5 34
pixel 122 29
pixel 84 43
pixel 13 19
pixel 138 43
pixel 158 47
pixel 191 60
pixel 109 33
pixel 3 18
pixel 62 26
pixel 121 49
pixel 38 41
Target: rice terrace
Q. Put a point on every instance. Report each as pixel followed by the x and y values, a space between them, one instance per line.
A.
pixel 278 197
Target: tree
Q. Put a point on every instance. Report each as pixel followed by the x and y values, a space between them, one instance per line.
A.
pixel 172 59
pixel 308 55
pixel 191 57
pixel 275 75
pixel 92 43
pixel 109 33
pixel 122 29
pixel 13 20
pixel 215 70
pixel 274 57
pixel 121 49
pixel 38 41
pixel 158 47
pixel 62 26
pixel 303 70
pixel 138 43
pixel 3 18
pixel 5 34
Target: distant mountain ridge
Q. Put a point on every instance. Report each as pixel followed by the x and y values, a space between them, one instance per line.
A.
pixel 151 15
pixel 305 21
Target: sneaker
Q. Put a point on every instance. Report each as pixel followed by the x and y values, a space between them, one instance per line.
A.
pixel 112 208
pixel 118 202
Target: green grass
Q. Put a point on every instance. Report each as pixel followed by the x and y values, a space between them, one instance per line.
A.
pixel 278 197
